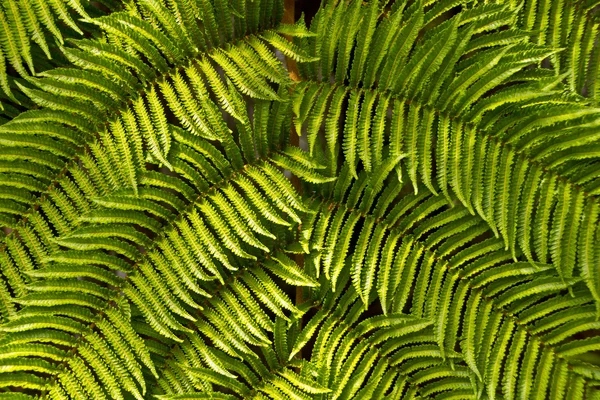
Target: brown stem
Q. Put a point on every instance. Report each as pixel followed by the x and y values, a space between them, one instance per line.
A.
pixel 289 17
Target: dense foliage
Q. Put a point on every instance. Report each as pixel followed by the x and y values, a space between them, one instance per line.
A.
pixel 387 199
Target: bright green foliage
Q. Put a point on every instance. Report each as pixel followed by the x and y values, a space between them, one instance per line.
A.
pixel 439 237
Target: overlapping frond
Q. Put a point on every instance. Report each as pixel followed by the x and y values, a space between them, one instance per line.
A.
pixel 125 82
pixel 31 33
pixel 509 323
pixel 115 90
pixel 178 235
pixel 250 353
pixel 350 359
pixel 458 117
pixel 571 26
pixel 438 238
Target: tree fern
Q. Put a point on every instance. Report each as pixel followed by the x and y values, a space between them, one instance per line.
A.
pixel 395 199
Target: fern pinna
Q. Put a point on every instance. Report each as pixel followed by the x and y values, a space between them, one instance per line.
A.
pixel 439 237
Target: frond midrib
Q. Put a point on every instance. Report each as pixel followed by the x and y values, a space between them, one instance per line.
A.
pixel 200 313
pixel 117 291
pixel 444 264
pixel 191 60
pixel 509 147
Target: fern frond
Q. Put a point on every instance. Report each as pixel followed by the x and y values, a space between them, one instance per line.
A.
pixel 411 211
pixel 32 27
pixel 196 244
pixel 466 144
pixel 403 254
